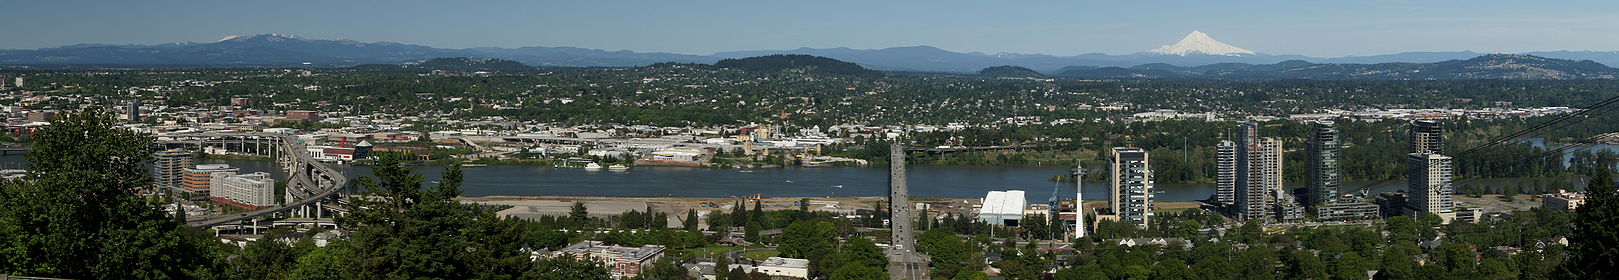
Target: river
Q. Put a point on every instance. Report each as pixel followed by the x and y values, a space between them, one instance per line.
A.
pixel 925 181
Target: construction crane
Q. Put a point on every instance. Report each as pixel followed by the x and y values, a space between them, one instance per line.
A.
pixel 1055 214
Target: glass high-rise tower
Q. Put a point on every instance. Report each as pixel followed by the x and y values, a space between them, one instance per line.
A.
pixel 1323 176
pixel 1257 176
pixel 1427 137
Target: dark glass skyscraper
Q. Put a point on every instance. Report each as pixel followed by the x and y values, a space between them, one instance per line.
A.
pixel 1253 192
pixel 1323 165
pixel 1427 137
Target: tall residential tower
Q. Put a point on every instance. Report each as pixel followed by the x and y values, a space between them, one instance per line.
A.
pixel 1225 173
pixel 1131 183
pixel 1427 137
pixel 169 168
pixel 1270 151
pixel 1258 171
pixel 1323 165
pixel 1429 185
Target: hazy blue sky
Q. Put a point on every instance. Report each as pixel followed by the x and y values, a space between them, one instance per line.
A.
pixel 1316 28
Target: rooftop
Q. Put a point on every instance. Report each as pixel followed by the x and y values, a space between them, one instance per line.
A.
pixel 589 246
pixel 1009 202
pixel 785 262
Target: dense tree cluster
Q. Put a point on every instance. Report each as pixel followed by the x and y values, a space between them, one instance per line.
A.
pixel 796 62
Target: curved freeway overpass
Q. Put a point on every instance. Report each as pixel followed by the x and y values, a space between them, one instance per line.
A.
pixel 310 183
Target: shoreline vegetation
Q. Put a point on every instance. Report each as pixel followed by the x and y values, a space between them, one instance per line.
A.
pixel 681 203
pixel 1094 165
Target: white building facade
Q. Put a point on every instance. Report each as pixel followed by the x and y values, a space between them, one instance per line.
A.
pixel 253 189
pixel 1429 185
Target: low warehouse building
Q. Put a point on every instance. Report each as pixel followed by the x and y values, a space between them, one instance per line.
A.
pixel 1003 208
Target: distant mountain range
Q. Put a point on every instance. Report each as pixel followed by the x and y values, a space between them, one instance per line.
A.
pixel 1188 57
pixel 1494 66
pixel 454 64
pixel 286 50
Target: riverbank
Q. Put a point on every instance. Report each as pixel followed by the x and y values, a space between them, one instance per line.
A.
pixel 235 157
pixel 676 207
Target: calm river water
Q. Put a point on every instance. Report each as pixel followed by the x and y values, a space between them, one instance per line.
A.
pixel 925 181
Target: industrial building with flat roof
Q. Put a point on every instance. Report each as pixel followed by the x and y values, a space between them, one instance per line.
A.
pixel 1004 208
pixel 782 267
pixel 1562 201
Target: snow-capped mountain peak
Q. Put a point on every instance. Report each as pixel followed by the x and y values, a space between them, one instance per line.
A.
pixel 1199 43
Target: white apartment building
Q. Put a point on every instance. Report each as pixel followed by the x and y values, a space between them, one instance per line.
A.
pixel 1429 185
pixel 250 190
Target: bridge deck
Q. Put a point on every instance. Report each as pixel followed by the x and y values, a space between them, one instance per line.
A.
pixel 300 160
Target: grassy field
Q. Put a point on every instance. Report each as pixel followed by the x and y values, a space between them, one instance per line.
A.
pixel 712 252
pixel 761 255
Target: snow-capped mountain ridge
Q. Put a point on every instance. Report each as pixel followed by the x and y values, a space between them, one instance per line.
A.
pixel 1199 43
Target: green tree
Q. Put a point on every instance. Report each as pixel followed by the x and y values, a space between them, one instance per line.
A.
pixel 751 232
pixel 1256 263
pixel 1089 272
pixel 579 215
pixel 266 258
pixel 1596 234
pixel 758 214
pixel 1021 265
pixel 721 265
pixel 691 220
pixel 1403 228
pixel 663 269
pixel 1301 264
pixel 1398 261
pixel 739 214
pixel 854 271
pixel 738 274
pixel 808 239
pixel 970 275
pixel 1213 260
pixel 498 246
pixel 567 268
pixel 1350 266
pixel 1496 269
pixel 400 229
pixel 324 263
pixel 1456 257
pixel 75 214
pixel 949 252
pixel 860 250
pixel 1171 268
